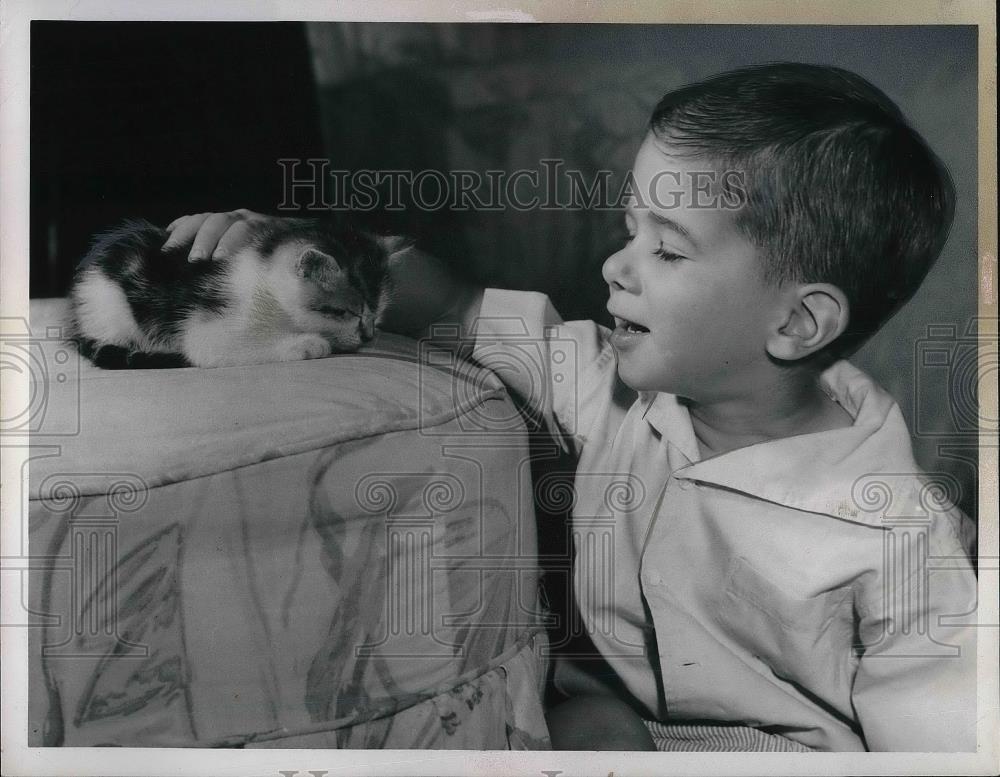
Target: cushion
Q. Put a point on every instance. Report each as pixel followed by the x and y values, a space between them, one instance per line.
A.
pixel 336 552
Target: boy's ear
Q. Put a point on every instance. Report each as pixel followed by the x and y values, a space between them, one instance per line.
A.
pixel 815 316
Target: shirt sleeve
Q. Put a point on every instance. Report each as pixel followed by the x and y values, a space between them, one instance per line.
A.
pixel 559 370
pixel 915 687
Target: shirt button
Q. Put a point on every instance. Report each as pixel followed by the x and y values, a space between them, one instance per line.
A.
pixel 653 578
pixel 685 485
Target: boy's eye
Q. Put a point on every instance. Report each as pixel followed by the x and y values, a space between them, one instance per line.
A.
pixel 665 255
pixel 329 311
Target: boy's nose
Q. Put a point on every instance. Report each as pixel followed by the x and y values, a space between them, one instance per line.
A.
pixel 617 270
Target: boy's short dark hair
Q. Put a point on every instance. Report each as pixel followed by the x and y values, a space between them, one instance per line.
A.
pixel 839 188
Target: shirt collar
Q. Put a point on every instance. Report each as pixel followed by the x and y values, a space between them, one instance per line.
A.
pixel 823 472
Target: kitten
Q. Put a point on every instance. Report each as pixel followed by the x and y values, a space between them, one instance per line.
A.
pixel 300 289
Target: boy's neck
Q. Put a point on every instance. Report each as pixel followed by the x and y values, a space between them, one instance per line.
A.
pixel 786 406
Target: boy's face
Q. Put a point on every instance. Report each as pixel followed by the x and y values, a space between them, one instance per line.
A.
pixel 689 277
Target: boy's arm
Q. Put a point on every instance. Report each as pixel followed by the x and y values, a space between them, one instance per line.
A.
pixel 562 372
pixel 565 373
pixel 915 686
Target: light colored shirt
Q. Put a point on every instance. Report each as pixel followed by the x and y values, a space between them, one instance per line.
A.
pixel 816 586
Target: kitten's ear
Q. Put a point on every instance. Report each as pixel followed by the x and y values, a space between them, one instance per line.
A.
pixel 317 266
pixel 395 247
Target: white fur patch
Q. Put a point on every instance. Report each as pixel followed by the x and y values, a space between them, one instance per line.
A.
pixel 103 311
pixel 246 332
pixel 214 341
pixel 282 281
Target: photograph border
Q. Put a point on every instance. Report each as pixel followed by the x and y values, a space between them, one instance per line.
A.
pixel 15 19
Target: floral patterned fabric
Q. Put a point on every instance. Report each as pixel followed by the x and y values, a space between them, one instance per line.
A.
pixel 338 553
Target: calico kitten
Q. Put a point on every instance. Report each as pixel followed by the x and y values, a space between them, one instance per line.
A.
pixel 300 289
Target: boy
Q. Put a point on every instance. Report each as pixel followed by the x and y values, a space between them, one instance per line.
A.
pixel 779 578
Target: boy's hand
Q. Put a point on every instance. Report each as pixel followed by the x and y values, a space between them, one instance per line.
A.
pixel 215 235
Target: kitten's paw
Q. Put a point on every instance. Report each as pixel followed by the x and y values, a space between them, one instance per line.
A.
pixel 308 346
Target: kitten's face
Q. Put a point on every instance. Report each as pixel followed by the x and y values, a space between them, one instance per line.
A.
pixel 340 296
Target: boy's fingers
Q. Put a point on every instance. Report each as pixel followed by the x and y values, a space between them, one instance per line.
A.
pixel 209 234
pixel 232 240
pixel 183 230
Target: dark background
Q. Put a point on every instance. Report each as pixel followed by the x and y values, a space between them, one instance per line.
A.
pixel 150 120
pixel 156 120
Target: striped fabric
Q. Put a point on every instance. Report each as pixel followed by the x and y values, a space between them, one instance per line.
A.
pixel 718 737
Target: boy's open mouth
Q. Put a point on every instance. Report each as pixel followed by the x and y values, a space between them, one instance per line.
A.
pixel 630 326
